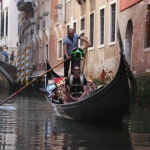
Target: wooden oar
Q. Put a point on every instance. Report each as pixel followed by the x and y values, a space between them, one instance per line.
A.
pixel 30 83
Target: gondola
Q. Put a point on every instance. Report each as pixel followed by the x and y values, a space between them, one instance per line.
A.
pixel 111 102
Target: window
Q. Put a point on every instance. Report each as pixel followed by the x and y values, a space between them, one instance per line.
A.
pixel 41 15
pixel 59 49
pixel 113 22
pixel 40 54
pixel 102 19
pixel 2 5
pixel 7 22
pixel 82 42
pixel 82 24
pixel 148 28
pixel 18 29
pixel 74 27
pixel 2 24
pixel 92 29
pixel 46 52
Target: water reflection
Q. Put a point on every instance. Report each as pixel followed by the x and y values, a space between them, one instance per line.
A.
pixel 4 82
pixel 22 121
pixel 27 123
pixel 81 136
pixel 139 129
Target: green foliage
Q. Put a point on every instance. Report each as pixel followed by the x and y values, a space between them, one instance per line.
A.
pixel 96 81
pixel 143 94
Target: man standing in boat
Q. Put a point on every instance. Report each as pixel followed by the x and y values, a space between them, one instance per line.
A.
pixel 70 42
pixel 76 85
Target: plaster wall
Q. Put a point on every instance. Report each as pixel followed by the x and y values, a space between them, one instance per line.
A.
pixel 98 56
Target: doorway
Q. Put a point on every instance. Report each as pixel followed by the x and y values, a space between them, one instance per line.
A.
pixel 128 42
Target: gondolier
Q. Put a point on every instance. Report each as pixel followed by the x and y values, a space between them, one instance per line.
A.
pixel 76 85
pixel 70 42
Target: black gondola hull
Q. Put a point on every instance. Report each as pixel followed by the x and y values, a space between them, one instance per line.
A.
pixel 112 102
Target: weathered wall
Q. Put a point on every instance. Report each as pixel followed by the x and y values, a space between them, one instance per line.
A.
pixel 99 55
pixel 140 55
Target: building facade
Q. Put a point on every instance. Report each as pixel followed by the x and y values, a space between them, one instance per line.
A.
pixel 135 30
pixel 57 33
pixel 44 24
pixel 26 46
pixel 8 25
pixel 96 20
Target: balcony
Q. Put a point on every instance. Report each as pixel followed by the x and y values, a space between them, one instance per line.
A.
pixel 24 5
pixel 58 18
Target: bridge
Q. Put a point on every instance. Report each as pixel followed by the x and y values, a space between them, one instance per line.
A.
pixel 8 70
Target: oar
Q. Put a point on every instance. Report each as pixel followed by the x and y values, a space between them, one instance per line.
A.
pixel 30 83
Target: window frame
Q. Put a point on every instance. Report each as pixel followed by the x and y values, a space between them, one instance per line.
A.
pixel 6 29
pixel 46 51
pixel 92 47
pixel 99 37
pixel 58 51
pixel 2 24
pixel 75 22
pixel 40 54
pixel 110 22
pixel 83 17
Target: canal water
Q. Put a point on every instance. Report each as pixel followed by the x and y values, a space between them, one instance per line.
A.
pixel 27 123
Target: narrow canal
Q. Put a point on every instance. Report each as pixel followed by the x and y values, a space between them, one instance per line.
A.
pixel 27 123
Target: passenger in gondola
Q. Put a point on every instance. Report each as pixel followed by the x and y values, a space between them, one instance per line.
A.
pixel 76 85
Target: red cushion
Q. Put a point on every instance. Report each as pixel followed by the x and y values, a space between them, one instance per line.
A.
pixel 58 79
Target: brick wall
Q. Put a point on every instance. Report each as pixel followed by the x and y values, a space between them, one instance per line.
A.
pixel 140 56
pixel 127 3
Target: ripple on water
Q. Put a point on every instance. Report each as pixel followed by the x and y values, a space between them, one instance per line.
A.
pixel 26 123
